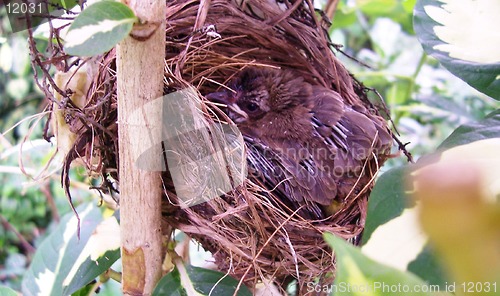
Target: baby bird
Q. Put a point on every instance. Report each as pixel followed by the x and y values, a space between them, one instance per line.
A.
pixel 305 144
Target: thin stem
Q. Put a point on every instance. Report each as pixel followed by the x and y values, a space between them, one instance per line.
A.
pixel 413 79
pixel 9 227
pixel 45 189
pixel 112 274
pixel 382 74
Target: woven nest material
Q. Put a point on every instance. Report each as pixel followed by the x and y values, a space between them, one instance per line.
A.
pixel 249 234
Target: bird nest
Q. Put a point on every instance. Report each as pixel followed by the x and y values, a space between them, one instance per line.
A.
pixel 251 235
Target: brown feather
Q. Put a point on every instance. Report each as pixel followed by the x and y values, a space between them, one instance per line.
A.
pixel 306 143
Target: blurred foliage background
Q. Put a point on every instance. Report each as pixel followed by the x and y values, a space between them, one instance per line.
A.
pixel 425 100
pixel 24 214
pixel 426 104
pixel 29 209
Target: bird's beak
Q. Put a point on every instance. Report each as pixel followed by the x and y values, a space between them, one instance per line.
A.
pixel 228 99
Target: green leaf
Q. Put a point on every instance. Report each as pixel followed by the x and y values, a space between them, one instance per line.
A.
pixel 393 9
pixel 63 263
pixel 360 275
pixel 6 291
pixel 68 4
pixel 408 5
pixel 207 281
pixel 378 7
pixel 91 269
pixel 100 252
pixel 456 33
pixel 391 222
pixel 204 281
pixel 399 92
pixel 99 28
pixel 85 291
pixel 399 11
pixel 170 285
pixel 344 16
pixel 487 128
pixel 429 267
pixel 387 200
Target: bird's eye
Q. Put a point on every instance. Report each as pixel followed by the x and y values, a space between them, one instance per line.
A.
pixel 251 107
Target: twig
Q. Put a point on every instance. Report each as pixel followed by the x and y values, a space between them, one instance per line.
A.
pixel 45 189
pixel 401 146
pixel 331 8
pixel 187 284
pixel 9 227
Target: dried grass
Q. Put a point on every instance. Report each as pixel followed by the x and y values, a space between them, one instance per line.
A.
pixel 251 236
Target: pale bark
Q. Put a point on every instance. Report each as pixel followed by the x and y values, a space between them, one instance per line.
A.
pixel 140 80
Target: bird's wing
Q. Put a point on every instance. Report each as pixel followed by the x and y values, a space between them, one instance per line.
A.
pixel 286 179
pixel 352 135
pixel 350 128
